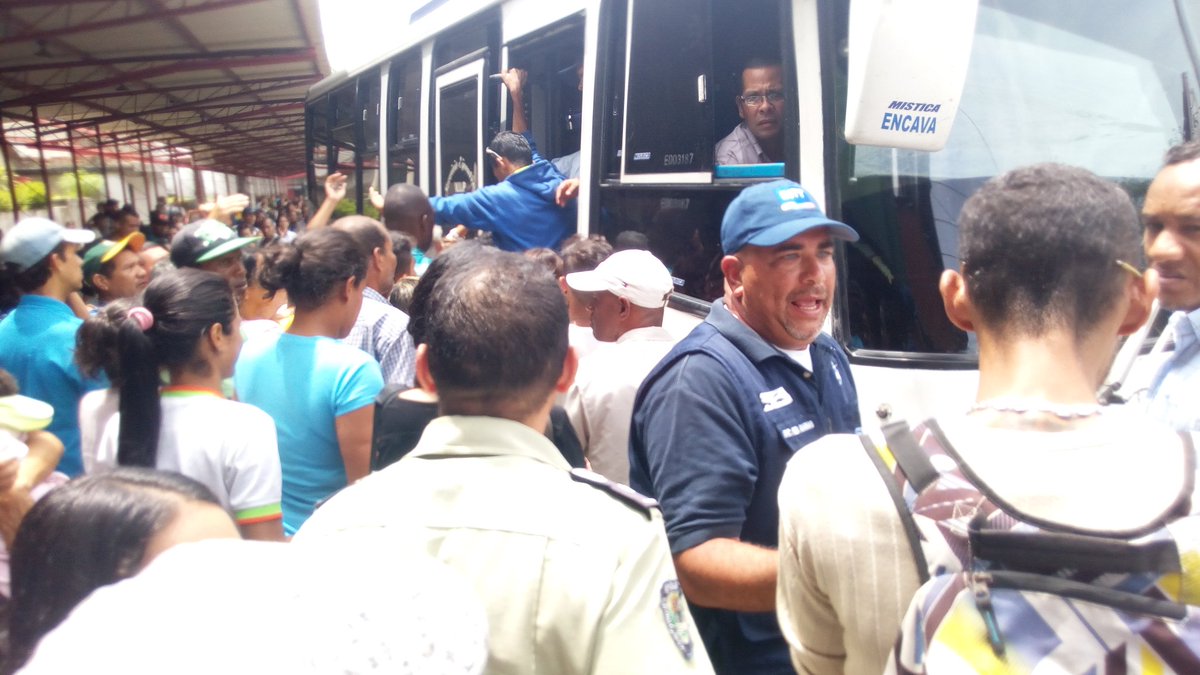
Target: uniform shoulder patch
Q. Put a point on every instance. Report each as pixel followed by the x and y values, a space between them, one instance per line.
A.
pixel 671 604
pixel 623 493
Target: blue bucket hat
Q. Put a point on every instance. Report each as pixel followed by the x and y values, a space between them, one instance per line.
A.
pixel 768 214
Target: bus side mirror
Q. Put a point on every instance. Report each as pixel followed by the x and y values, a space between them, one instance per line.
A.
pixel 907 67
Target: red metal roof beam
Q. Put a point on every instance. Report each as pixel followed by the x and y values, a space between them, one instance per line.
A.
pixel 155 15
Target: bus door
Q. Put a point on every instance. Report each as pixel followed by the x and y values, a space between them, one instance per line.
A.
pixel 459 127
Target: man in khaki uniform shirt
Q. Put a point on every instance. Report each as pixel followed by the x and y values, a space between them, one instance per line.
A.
pixel 574 571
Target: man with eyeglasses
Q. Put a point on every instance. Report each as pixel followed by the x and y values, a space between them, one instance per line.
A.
pixel 759 138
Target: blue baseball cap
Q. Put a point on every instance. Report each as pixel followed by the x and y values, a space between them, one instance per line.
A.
pixel 768 214
pixel 35 238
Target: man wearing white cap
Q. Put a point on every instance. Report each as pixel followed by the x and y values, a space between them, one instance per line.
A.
pixel 625 296
pixel 37 339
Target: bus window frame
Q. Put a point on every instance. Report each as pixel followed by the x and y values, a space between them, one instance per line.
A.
pixel 409 64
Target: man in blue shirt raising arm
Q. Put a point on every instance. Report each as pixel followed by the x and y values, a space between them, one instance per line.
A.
pixel 521 211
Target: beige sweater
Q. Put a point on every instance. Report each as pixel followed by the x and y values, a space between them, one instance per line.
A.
pixel 846 570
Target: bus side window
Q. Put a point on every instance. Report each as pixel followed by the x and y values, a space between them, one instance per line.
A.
pixel 404 119
pixel 553 61
pixel 752 97
pixel 668 110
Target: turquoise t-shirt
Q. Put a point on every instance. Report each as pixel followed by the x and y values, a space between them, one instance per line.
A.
pixel 305 384
pixel 37 345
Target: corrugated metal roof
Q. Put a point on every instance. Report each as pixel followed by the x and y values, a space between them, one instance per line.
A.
pixel 220 80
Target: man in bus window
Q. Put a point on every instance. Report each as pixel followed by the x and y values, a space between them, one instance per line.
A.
pixel 759 138
pixel 521 211
pixel 1171 217
pixel 716 421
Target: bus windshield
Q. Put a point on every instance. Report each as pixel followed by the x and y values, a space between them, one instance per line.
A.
pixel 1107 85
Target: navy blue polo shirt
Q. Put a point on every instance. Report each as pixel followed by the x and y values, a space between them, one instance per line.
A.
pixel 714 426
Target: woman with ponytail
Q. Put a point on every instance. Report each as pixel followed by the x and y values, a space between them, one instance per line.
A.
pixel 173 351
pixel 320 392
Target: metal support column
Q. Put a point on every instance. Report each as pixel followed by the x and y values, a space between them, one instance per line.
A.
pixel 145 175
pixel 197 179
pixel 8 171
pixel 176 178
pixel 120 170
pixel 37 135
pixel 103 165
pixel 78 182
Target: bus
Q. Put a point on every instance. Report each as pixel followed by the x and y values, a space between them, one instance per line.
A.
pixel 895 111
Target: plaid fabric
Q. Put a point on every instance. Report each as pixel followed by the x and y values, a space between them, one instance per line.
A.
pixel 382 331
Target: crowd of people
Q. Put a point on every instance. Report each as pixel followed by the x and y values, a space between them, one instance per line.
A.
pixel 497 456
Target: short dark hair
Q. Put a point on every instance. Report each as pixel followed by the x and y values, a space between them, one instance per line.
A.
pixel 311 267
pixel 585 255
pixel 761 62
pixel 497 335
pixel 1187 151
pixel 633 240
pixel 36 275
pixel 1039 247
pixel 418 308
pixel 367 232
pixel 89 533
pixel 547 258
pixel 401 205
pixel 512 146
pixel 402 246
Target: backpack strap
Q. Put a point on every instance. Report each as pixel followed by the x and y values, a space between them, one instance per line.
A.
pixel 906 517
pixel 913 461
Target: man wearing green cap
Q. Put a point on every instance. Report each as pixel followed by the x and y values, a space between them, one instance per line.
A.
pixel 214 247
pixel 37 339
pixel 113 269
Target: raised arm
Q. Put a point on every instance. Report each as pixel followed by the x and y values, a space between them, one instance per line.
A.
pixel 335 192
pixel 514 81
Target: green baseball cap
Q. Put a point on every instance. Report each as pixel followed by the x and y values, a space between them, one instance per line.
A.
pixel 205 240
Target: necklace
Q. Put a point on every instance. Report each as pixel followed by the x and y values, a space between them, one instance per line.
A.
pixel 1027 406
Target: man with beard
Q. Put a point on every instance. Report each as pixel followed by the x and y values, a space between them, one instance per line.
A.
pixel 759 138
pixel 716 421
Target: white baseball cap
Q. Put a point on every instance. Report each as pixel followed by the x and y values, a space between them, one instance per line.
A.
pixel 34 238
pixel 635 275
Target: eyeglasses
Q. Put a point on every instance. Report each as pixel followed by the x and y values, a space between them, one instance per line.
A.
pixel 1129 268
pixel 755 100
pixel 493 153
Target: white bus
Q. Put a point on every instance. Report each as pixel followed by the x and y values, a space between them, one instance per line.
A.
pixel 941 95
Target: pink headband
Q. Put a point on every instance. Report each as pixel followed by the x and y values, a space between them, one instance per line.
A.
pixel 142 317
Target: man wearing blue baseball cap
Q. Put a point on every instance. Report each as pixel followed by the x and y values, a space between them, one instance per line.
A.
pixel 716 421
pixel 37 339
